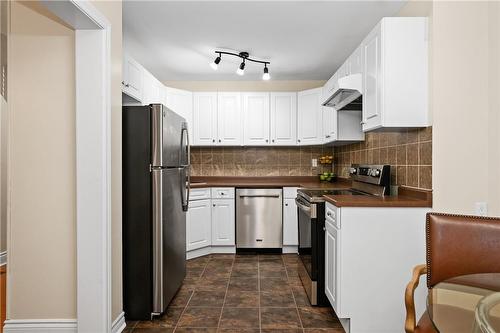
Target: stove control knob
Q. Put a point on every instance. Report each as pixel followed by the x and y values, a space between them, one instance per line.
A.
pixel 353 171
pixel 375 172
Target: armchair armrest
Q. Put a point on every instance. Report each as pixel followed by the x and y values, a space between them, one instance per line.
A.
pixel 410 321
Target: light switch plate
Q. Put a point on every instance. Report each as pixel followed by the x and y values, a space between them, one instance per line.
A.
pixel 481 208
pixel 314 162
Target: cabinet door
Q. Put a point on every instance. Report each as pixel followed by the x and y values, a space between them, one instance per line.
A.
pixel 152 89
pixel 229 120
pixel 284 118
pixel 356 61
pixel 372 80
pixel 223 222
pixel 329 124
pixel 290 222
pixel 205 118
pixel 181 102
pixel 256 119
pixel 309 117
pixel 132 78
pixel 198 225
pixel 331 265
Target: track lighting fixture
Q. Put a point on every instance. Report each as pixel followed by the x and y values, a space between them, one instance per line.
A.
pixel 266 75
pixel 215 64
pixel 241 69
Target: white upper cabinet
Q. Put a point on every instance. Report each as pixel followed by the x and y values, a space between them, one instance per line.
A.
pixel 284 118
pixel 309 117
pixel 229 119
pixel 355 60
pixel 132 78
pixel 329 124
pixel 153 90
pixel 181 102
pixel 255 119
pixel 205 118
pixel 396 74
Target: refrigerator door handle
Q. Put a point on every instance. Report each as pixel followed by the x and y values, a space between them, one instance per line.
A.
pixel 187 166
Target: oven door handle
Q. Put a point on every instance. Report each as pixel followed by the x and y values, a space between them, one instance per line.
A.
pixel 302 206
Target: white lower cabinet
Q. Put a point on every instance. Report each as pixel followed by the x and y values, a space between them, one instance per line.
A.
pixel 198 225
pixel 223 222
pixel 290 227
pixel 369 256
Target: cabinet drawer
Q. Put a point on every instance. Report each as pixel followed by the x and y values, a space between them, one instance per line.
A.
pixel 199 194
pixel 223 193
pixel 290 192
pixel 332 215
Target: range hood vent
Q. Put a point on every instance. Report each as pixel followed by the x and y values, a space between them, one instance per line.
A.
pixel 347 96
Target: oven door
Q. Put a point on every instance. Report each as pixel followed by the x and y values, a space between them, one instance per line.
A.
pixel 307 219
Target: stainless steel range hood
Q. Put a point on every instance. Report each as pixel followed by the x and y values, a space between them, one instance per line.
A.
pixel 347 95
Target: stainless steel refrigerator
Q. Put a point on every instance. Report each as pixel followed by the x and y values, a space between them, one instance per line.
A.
pixel 156 174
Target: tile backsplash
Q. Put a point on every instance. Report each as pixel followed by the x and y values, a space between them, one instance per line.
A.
pixel 409 152
pixel 257 161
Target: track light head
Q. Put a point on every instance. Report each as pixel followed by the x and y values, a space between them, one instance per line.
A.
pixel 266 75
pixel 241 69
pixel 215 64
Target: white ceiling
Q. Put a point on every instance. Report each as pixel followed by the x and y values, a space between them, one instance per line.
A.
pixel 304 40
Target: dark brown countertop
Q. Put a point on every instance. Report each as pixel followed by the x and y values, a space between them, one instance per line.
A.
pixel 309 182
pixel 407 197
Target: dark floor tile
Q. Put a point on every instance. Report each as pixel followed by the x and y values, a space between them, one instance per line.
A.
pixel 269 257
pixel 168 319
pixel 190 282
pixel 216 270
pixel 284 330
pixel 200 317
pixel 292 271
pixel 195 330
pixel 194 272
pixel 220 256
pixel 300 296
pixel 294 281
pixel 279 318
pixel 213 283
pixel 314 317
pixel 240 317
pixel 246 265
pixel 131 323
pixel 182 298
pixel 207 298
pixel 245 272
pixel 127 330
pixel 238 330
pixel 153 330
pixel 272 284
pixel 279 299
pixel 243 284
pixel 242 299
pixel 275 272
pixel 324 330
pixel 271 264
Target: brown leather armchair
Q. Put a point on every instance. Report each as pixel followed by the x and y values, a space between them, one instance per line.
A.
pixel 456 245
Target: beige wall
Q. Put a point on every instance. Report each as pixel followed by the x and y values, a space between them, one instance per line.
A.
pixel 113 11
pixel 42 242
pixel 245 85
pixel 42 235
pixel 465 106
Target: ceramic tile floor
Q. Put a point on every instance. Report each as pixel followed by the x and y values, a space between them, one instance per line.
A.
pixel 241 293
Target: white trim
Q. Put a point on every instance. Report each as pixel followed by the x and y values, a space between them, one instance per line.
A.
pixel 210 250
pixel 3 258
pixel 119 324
pixel 40 326
pixel 290 249
pixel 93 161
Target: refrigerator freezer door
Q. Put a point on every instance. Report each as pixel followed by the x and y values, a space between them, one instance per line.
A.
pixel 169 235
pixel 167 137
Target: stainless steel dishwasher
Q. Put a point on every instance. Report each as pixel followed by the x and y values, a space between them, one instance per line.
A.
pixel 259 218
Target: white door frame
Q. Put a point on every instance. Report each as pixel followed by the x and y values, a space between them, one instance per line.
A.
pixel 93 162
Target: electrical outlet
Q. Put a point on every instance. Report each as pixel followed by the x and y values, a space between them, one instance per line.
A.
pixel 314 162
pixel 481 208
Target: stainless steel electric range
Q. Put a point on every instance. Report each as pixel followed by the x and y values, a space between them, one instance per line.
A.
pixel 366 180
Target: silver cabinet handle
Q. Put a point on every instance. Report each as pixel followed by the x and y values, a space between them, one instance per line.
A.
pixel 362 123
pixel 298 140
pixel 286 205
pixel 273 140
pixel 220 140
pixel 213 205
pixel 213 140
pixel 267 140
pixel 260 196
pixel 329 214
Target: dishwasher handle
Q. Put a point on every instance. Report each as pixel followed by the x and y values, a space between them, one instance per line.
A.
pixel 259 195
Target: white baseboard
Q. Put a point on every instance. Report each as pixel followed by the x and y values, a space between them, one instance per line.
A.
pixel 3 258
pixel 40 326
pixel 54 325
pixel 290 249
pixel 119 324
pixel 209 250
